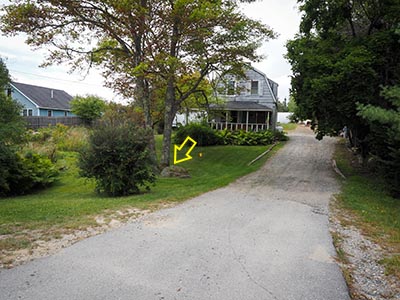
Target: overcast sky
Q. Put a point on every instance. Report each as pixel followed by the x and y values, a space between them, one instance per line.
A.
pixel 23 63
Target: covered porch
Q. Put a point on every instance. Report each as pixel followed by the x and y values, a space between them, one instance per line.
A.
pixel 247 120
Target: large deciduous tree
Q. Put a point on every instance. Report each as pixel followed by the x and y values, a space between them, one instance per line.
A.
pixel 142 44
pixel 345 51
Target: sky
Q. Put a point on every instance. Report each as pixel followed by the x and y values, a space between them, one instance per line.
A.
pixel 23 62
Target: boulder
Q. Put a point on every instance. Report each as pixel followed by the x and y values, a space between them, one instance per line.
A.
pixel 175 171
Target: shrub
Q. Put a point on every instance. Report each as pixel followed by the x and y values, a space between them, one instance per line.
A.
pixel 280 136
pixel 37 171
pixel 201 133
pixel 8 168
pixel 89 108
pixel 19 172
pixel 117 157
pixel 22 173
pixel 250 138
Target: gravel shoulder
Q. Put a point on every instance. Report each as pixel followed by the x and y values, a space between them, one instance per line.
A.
pixel 266 236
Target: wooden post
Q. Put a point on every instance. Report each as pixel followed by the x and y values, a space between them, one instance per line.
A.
pixel 226 120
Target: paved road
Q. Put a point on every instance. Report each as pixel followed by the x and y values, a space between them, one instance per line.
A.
pixel 263 237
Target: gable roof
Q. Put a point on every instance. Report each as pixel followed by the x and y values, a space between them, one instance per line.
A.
pixel 42 96
pixel 270 82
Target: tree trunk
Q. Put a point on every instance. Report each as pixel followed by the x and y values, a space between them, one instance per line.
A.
pixel 143 94
pixel 168 120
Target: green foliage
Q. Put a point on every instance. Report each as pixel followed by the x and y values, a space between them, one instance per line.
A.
pixel 60 137
pixel 292 106
pixel 205 136
pixel 12 125
pixel 118 159
pixel 8 166
pixel 377 212
pixel 116 113
pixel 201 133
pixel 22 173
pixel 193 38
pixel 385 135
pixel 282 106
pixel 89 108
pixel 37 172
pixel 4 76
pixel 243 138
pixel 340 58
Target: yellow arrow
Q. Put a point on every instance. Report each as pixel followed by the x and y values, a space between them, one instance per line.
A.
pixel 179 148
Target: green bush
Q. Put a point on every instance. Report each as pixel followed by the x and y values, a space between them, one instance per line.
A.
pixel 201 133
pixel 250 138
pixel 280 136
pixel 8 168
pixel 22 173
pixel 89 108
pixel 37 171
pixel 117 157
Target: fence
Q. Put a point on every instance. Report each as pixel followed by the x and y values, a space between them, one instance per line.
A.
pixel 34 122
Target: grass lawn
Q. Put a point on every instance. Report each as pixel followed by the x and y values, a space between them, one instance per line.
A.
pixel 289 126
pixel 72 203
pixel 376 213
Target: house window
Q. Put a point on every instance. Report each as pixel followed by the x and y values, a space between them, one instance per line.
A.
pixel 254 87
pixel 30 112
pixel 65 114
pixel 49 113
pixel 231 87
pixel 8 92
pixel 24 112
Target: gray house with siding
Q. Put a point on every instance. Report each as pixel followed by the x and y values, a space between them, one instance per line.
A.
pixel 41 101
pixel 248 103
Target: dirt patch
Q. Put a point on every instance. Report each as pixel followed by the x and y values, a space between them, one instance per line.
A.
pixel 45 243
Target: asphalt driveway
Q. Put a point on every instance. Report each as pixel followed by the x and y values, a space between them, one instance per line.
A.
pixel 263 237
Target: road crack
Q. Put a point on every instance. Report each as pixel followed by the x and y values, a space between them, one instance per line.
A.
pixel 243 267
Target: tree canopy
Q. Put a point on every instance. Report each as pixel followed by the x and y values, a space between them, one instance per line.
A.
pixel 89 108
pixel 4 76
pixel 345 52
pixel 142 44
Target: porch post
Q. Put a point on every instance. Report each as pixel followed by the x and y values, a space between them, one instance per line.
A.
pixel 226 120
pixel 247 121
pixel 268 116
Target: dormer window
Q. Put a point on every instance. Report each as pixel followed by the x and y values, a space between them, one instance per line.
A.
pixel 254 87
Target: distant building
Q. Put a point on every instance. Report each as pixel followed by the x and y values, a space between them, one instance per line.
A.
pixel 41 101
pixel 284 117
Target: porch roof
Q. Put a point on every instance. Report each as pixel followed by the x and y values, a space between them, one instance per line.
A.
pixel 240 106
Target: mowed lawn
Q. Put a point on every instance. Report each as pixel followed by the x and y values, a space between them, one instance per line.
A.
pixel 72 202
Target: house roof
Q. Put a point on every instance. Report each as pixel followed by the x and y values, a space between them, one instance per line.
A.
pixel 240 105
pixel 44 97
pixel 263 74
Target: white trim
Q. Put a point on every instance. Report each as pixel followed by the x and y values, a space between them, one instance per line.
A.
pixel 29 99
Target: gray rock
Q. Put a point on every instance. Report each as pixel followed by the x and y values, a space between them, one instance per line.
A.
pixel 175 171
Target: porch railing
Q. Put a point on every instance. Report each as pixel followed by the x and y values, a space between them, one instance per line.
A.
pixel 239 126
